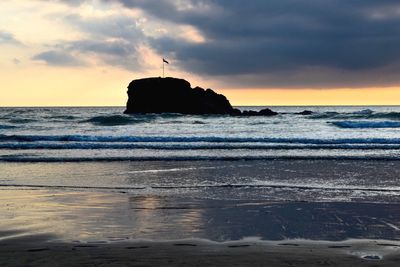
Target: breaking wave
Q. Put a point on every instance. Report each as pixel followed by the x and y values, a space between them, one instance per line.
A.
pixel 115 120
pixel 362 114
pixel 366 124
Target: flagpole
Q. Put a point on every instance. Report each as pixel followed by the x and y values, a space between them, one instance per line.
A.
pixel 163 74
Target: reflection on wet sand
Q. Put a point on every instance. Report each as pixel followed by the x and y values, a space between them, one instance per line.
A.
pixel 94 216
pixel 156 215
pixel 91 216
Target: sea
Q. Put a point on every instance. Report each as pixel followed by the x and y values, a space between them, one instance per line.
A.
pixel 94 173
pixel 105 134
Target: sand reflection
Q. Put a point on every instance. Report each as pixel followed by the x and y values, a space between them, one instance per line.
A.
pixel 93 216
pixel 102 216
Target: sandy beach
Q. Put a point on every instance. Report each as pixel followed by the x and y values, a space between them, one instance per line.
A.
pixel 86 228
pixel 200 213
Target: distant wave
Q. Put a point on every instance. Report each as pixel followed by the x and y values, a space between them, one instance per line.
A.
pixel 366 124
pixel 389 115
pixel 115 120
pixel 5 126
pixel 63 117
pixel 362 114
pixel 199 122
pixel 22 121
pixel 191 139
pixel 182 122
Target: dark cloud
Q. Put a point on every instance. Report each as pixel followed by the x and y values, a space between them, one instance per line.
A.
pixel 278 42
pixel 58 58
pixel 286 43
pixel 120 53
pixel 113 26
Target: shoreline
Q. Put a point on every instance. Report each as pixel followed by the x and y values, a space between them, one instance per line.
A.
pixel 35 251
pixel 82 217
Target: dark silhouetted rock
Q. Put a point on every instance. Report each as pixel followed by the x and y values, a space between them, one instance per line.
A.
pixel 171 95
pixel 250 113
pixel 263 112
pixel 236 112
pixel 267 112
pixel 305 112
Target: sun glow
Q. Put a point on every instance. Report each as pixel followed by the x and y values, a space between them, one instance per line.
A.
pixel 313 97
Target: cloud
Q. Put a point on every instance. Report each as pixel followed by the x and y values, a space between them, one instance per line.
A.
pixel 58 58
pixel 285 43
pixel 8 38
pixel 103 27
pixel 120 53
pixel 271 40
pixel 111 40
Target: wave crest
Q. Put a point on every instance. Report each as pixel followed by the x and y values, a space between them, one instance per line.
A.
pixel 366 124
pixel 115 120
pixel 361 114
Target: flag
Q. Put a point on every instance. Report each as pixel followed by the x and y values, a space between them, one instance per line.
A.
pixel 165 61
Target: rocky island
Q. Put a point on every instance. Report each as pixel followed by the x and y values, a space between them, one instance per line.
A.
pixel 172 95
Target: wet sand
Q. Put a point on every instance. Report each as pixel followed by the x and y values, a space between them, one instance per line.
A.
pixel 94 215
pixel 34 251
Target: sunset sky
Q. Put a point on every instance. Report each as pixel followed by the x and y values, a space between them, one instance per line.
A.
pixel 276 52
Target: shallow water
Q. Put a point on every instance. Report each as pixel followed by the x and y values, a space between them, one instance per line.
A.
pixel 270 180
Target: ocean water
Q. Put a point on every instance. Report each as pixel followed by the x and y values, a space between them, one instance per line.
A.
pixel 87 134
pixel 337 153
pixel 97 174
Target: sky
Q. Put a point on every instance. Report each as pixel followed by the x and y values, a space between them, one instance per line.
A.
pixel 275 52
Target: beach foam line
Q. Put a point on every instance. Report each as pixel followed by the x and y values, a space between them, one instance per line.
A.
pixel 172 170
pixel 204 186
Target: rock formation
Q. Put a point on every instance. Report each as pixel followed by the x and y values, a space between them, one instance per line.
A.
pixel 263 112
pixel 172 95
